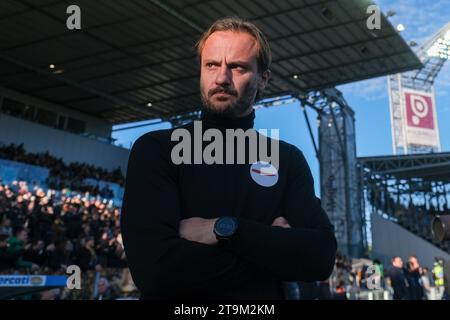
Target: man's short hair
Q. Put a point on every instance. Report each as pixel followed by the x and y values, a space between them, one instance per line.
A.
pixel 394 257
pixel 264 55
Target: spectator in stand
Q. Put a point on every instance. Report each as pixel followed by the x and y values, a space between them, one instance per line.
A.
pixel 37 254
pixel 7 258
pixel 62 174
pixel 116 255
pixel 63 229
pixel 53 294
pixel 105 291
pixel 87 258
pixel 17 245
pixel 106 192
pixel 6 226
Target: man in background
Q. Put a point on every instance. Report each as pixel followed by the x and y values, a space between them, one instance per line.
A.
pixel 398 280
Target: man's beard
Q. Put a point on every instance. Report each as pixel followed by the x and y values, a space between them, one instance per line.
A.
pixel 229 108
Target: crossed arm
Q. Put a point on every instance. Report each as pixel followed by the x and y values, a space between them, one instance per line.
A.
pixel 201 230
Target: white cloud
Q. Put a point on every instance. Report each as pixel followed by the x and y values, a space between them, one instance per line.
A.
pixel 370 90
pixel 422 18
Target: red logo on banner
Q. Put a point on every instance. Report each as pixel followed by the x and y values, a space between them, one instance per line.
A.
pixel 419 110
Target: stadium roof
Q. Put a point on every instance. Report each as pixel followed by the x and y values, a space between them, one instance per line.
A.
pixel 130 53
pixel 430 166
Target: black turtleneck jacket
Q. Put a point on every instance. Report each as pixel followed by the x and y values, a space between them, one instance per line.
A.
pixel 259 257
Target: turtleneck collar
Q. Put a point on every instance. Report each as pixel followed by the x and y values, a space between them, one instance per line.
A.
pixel 213 120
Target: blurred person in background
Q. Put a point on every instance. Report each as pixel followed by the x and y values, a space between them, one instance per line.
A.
pixel 7 258
pixel 6 226
pixel 379 268
pixel 438 276
pixel 413 276
pixel 18 245
pixel 398 280
pixel 87 258
pixel 53 294
pixel 116 254
pixel 37 254
pixel 425 281
pixel 105 291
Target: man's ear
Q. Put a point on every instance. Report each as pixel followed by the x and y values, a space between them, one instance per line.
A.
pixel 265 76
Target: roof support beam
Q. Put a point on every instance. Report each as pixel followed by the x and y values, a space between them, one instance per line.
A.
pixel 95 92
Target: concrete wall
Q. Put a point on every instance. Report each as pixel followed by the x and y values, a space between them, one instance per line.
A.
pixel 95 126
pixel 71 147
pixel 389 239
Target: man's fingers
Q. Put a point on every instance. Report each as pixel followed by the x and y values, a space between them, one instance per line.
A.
pixel 197 229
pixel 183 227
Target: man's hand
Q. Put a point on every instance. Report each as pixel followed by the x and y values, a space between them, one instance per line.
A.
pixel 198 230
pixel 281 222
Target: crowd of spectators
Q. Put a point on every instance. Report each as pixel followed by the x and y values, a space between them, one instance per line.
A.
pixel 47 231
pixel 63 175
pixel 69 221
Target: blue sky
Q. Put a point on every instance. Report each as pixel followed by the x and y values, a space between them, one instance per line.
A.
pixel 369 99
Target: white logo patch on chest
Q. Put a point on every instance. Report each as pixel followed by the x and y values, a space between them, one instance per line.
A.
pixel 264 174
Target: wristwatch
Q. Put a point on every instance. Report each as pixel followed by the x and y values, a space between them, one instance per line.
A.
pixel 225 227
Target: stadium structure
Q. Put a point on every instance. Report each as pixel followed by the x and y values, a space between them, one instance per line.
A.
pixel 62 90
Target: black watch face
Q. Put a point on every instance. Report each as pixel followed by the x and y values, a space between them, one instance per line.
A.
pixel 226 227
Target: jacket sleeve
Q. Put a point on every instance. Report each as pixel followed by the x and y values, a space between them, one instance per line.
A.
pixel 306 251
pixel 162 263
